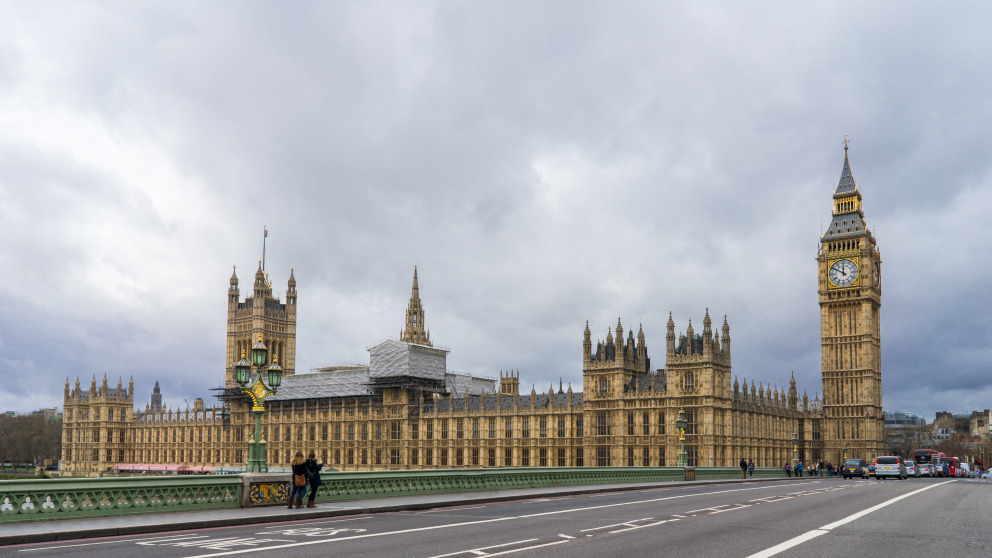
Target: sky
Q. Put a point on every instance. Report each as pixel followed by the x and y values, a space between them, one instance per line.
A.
pixel 543 164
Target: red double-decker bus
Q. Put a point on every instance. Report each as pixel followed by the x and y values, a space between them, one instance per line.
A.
pixel 948 466
pixel 927 456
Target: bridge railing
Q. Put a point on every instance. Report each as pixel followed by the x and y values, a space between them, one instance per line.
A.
pixel 41 499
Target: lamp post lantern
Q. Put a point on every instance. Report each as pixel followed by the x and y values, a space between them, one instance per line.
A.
pixel 845 451
pixel 681 423
pixel 795 449
pixel 254 385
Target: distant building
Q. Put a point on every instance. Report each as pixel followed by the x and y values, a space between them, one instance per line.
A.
pixel 405 410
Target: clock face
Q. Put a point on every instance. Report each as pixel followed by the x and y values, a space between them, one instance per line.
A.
pixel 843 273
pixel 878 278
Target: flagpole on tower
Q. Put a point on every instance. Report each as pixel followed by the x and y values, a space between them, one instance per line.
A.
pixel 265 234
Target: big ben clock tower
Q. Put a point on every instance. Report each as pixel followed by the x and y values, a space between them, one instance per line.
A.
pixel 850 289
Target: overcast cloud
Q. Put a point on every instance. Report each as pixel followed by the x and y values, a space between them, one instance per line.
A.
pixel 543 163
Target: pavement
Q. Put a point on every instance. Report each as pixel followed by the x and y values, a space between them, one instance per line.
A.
pixel 94 527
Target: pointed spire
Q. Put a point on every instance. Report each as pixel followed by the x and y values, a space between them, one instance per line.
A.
pixel 234 277
pixel 846 184
pixel 415 331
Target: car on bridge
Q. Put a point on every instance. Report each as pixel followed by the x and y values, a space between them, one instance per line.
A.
pixel 854 468
pixel 890 466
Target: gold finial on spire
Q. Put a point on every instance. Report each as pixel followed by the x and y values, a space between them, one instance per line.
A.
pixel 845 144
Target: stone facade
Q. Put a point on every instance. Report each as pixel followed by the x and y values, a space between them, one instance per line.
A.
pixel 409 413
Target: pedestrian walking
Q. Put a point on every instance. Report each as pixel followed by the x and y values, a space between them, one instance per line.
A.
pixel 299 480
pixel 750 468
pixel 743 466
pixel 788 470
pixel 799 469
pixel 313 468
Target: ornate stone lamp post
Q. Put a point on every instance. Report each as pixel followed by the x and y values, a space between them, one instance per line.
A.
pixel 681 423
pixel 795 449
pixel 845 451
pixel 254 385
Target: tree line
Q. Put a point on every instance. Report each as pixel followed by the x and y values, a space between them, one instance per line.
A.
pixel 29 439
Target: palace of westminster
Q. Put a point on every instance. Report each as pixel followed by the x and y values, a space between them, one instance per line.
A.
pixel 406 411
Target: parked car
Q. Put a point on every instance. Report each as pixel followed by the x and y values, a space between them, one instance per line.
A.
pixel 854 468
pixel 911 469
pixel 891 466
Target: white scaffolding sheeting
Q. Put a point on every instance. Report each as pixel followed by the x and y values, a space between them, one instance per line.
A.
pixel 391 359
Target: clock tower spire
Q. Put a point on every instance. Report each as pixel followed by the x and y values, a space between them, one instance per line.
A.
pixel 850 295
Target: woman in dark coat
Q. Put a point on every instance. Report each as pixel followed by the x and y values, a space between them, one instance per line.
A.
pixel 299 473
pixel 313 468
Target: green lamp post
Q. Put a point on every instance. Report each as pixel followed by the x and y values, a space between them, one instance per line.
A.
pixel 254 385
pixel 795 449
pixel 681 423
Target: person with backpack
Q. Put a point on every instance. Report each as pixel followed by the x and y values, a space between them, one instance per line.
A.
pixel 299 480
pixel 313 467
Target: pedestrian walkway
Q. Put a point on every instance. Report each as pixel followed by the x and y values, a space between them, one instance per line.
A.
pixel 72 529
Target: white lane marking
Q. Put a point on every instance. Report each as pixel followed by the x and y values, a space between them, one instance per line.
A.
pixel 565 536
pixel 159 538
pixel 809 535
pixel 478 551
pixel 622 524
pixel 708 509
pixel 526 548
pixel 643 526
pixel 484 521
pixel 441 510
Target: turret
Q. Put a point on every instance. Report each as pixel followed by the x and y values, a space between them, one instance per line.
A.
pixel 725 346
pixel 707 334
pixel 670 337
pixel 66 388
pixel 642 348
pixel 690 333
pixel 291 289
pixel 233 294
pixel 793 399
pixel 620 348
pixel 586 344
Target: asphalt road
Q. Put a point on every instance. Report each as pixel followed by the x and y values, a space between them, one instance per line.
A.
pixel 829 517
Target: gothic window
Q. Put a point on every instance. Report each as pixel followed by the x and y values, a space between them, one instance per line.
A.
pixel 429 434
pixel 475 429
pixel 630 425
pixel 428 457
pixel 602 456
pixel 459 429
pixel 602 424
pixel 646 424
pixel 561 457
pixel 604 385
pixel 492 428
pixel 630 457
pixel 394 456
pixel 690 417
pixel 508 429
pixel 580 460
pixel 525 457
pixel 543 427
pixel 414 430
pixel 561 427
pixel 525 428
pixel 414 457
pixel 688 381
pixel 444 457
pixel 646 456
pixel 475 457
pixel 365 431
pixel 543 457
pixel 507 457
pixel 459 457
pixel 579 431
pixel 444 432
pixel 395 430
pixel 492 457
